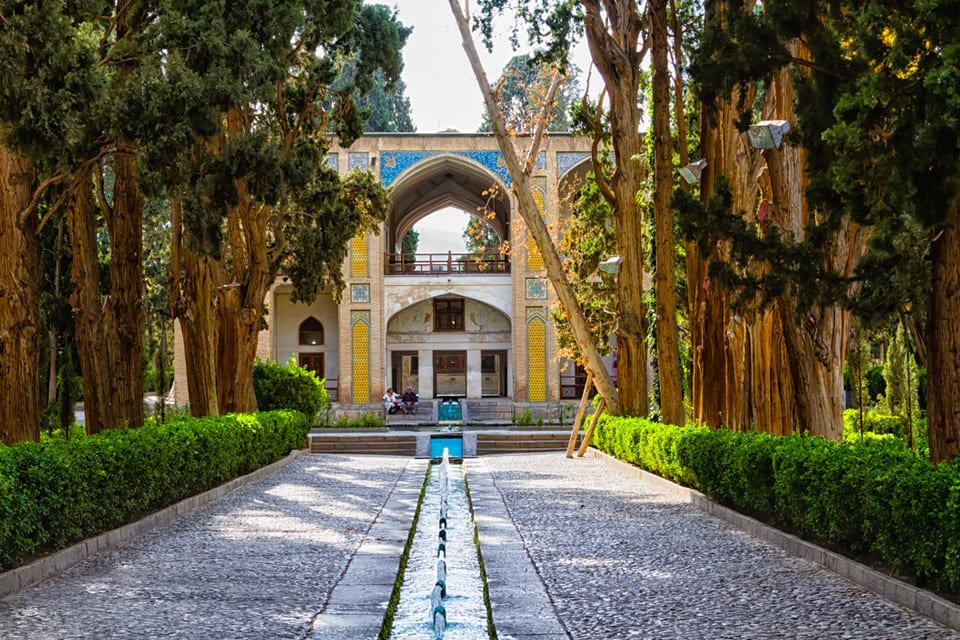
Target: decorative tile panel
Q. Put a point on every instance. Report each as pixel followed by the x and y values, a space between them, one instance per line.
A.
pixel 333 162
pixel 541 165
pixel 358 256
pixel 358 161
pixel 536 289
pixel 536 354
pixel 393 163
pixel 534 257
pixel 360 293
pixel 360 325
pixel 567 160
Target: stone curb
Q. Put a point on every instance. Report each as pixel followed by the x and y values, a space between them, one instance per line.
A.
pixel 56 563
pixel 521 607
pixel 906 595
pixel 358 603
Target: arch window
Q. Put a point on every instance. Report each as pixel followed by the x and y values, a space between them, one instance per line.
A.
pixel 311 332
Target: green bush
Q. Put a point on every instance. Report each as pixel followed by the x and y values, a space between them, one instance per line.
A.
pixel 877 500
pixel 875 421
pixel 151 379
pixel 289 386
pixel 876 384
pixel 366 421
pixel 58 492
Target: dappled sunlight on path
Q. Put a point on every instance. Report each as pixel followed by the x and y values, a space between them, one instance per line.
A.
pixel 257 563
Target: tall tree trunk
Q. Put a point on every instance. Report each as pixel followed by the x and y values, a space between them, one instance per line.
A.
pixel 109 327
pixel 19 302
pixel 816 339
pixel 126 298
pixel 194 281
pixel 613 41
pixel 54 335
pixel 241 302
pixel 531 216
pixel 943 342
pixel 89 308
pixel 668 350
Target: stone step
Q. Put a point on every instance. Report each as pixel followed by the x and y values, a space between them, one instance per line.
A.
pixel 386 448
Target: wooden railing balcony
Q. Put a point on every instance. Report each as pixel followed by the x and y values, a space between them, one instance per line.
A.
pixel 437 264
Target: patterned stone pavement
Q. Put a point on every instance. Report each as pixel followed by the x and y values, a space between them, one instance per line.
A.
pixel 620 560
pixel 258 563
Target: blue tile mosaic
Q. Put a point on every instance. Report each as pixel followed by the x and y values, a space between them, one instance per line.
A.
pixel 333 162
pixel 393 163
pixel 358 161
pixel 567 160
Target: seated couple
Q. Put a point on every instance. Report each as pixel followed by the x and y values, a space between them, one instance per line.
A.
pixel 407 402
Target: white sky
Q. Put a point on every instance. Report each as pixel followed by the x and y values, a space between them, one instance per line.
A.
pixel 444 94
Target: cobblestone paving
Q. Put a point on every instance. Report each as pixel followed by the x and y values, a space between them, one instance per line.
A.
pixel 258 563
pixel 621 561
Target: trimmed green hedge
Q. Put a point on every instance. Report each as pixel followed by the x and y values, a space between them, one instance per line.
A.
pixel 55 493
pixel 876 501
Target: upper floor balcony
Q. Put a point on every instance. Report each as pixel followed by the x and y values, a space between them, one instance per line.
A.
pixel 438 264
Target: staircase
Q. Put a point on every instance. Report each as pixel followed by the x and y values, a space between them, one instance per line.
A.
pixel 493 442
pixel 376 443
pixel 480 411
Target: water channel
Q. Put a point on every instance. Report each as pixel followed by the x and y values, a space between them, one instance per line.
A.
pixel 443 549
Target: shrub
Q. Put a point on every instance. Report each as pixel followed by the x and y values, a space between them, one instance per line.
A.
pixel 289 386
pixel 875 421
pixel 55 493
pixel 366 421
pixel 876 384
pixel 876 500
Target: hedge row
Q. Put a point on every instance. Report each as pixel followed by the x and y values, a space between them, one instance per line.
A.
pixel 55 493
pixel 875 501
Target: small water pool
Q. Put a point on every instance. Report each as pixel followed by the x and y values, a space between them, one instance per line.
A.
pixel 454 443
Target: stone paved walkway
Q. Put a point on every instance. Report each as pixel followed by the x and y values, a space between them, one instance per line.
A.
pixel 258 563
pixel 618 559
pixel 622 561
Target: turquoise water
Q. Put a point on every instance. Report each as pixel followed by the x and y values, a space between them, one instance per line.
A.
pixel 453 443
pixel 466 611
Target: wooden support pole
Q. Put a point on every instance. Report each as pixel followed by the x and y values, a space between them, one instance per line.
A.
pixel 579 419
pixel 589 434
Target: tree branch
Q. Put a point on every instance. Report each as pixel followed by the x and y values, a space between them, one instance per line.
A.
pixel 542 121
pixel 52 210
pixel 535 224
pixel 31 208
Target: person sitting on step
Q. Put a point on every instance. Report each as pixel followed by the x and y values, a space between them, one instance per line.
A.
pixel 410 400
pixel 391 401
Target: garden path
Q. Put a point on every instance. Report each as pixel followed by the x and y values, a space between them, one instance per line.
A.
pixel 618 559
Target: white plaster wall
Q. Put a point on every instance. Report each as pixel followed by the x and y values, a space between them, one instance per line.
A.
pixel 400 292
pixel 479 318
pixel 285 323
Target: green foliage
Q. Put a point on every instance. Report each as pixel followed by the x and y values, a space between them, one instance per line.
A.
pixel 289 386
pixel 527 418
pixel 523 87
pixel 366 421
pixel 876 384
pixel 587 241
pixel 878 115
pixel 410 242
pixel 876 422
pixel 877 500
pixel 54 493
pixel 479 236
pixel 328 213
